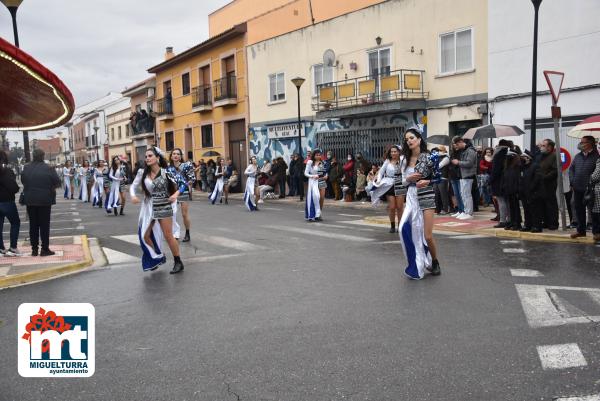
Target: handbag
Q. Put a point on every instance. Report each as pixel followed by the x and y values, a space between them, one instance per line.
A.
pixel 588 195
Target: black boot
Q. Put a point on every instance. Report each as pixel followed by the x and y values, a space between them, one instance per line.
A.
pixel 121 212
pixel 115 211
pixel 187 236
pixel 435 268
pixel 392 227
pixel 47 252
pixel 34 251
pixel 178 266
pixel 227 203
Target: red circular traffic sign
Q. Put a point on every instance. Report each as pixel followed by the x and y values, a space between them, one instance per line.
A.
pixel 565 158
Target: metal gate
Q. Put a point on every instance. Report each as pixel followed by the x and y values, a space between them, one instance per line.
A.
pixel 372 143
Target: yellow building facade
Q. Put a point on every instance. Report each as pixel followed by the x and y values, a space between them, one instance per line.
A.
pixel 201 100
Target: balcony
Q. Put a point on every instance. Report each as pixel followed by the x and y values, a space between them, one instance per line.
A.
pixel 202 98
pixel 164 109
pixel 395 90
pixel 225 91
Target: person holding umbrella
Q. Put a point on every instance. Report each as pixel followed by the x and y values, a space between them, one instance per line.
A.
pixel 582 167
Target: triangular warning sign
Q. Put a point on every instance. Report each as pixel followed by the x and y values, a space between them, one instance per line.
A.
pixel 555 81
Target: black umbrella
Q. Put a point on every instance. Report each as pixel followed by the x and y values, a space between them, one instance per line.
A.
pixel 439 139
pixel 493 131
pixel 211 153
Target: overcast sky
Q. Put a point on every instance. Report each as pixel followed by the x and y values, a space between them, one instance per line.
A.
pixel 99 46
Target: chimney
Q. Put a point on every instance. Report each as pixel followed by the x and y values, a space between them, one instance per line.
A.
pixel 169 53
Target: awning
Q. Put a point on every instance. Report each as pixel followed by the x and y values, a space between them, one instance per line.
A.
pixel 31 96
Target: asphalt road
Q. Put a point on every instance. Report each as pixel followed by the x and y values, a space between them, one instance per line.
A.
pixel 273 308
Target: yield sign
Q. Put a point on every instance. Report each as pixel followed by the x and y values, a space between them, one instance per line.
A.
pixel 555 81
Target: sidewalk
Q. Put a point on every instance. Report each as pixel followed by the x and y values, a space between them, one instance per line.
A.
pixel 480 225
pixel 72 254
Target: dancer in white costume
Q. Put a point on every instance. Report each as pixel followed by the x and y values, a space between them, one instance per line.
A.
pixel 67 180
pixel 317 183
pixel 251 192
pixel 160 189
pixel 117 176
pixel 83 182
pixel 98 186
pixel 416 225
pixel 217 193
pixel 389 184
pixel 185 171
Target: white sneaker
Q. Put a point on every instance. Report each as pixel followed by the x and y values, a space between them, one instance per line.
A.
pixel 456 214
pixel 465 217
pixel 13 252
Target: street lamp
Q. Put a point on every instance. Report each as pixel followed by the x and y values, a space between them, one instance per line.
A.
pixel 536 8
pixel 95 141
pixel 13 6
pixel 298 81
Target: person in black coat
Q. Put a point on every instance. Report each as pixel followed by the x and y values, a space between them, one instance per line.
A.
pixel 39 188
pixel 8 208
pixel 496 174
pixel 510 189
pixel 531 193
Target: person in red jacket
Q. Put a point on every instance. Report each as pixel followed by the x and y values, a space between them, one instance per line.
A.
pixel 348 181
pixel 483 178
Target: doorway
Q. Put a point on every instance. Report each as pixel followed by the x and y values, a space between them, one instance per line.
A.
pixel 238 150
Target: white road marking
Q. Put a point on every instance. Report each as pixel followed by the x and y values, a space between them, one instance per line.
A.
pixel 470 236
pixel 115 257
pixel 561 356
pixel 343 227
pixel 510 241
pixel 230 243
pixel 319 233
pixel 201 259
pixel 57 229
pixel 525 273
pixel 349 215
pixel 132 239
pixel 4 270
pixel 543 308
pixel 514 250
pixel 361 223
pixel 272 208
pixel 397 241
pixel 593 397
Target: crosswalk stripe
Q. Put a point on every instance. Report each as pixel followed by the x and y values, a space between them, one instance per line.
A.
pixel 230 243
pixel 320 233
pixel 593 397
pixel 525 273
pixel 561 356
pixel 343 227
pixel 114 257
pixel 132 239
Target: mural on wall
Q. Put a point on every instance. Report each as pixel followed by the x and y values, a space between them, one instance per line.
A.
pixel 264 147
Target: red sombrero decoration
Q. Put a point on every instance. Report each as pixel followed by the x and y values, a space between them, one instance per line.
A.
pixel 32 97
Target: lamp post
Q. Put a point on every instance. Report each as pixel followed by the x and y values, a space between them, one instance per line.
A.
pixel 95 141
pixel 13 6
pixel 65 148
pixel 298 81
pixel 536 8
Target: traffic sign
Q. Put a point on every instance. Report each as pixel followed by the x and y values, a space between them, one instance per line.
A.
pixel 565 158
pixel 555 81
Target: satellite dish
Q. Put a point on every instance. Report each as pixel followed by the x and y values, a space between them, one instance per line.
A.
pixel 329 58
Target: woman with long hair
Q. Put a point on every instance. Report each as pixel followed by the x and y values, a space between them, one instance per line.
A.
pixel 67 180
pixel 98 186
pixel 116 175
pixel 8 207
pixel 187 173
pixel 317 183
pixel 227 173
pixel 106 184
pixel 389 184
pixel 160 189
pixel 217 193
pixel 83 181
pixel 421 171
pixel 251 192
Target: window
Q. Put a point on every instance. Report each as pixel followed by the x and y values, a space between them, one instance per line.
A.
pixel 321 75
pixel 185 83
pixel 207 136
pixel 379 64
pixel 119 131
pixel 112 134
pixel 276 87
pixel 456 51
pixel 127 131
pixel 169 142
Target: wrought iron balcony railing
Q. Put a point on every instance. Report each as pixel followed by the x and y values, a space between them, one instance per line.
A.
pixel 202 96
pixel 164 106
pixel 395 85
pixel 225 88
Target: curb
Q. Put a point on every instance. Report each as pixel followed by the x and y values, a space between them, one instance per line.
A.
pixel 557 238
pixel 50 272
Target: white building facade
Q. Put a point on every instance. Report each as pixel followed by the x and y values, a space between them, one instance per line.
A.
pixel 568 37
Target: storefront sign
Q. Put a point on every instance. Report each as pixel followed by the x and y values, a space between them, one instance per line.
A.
pixel 285 131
